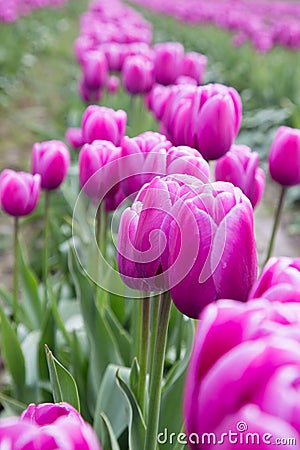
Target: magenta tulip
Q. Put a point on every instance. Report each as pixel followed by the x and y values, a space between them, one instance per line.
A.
pixel 239 166
pixel 279 281
pixel 19 192
pixel 48 427
pixel 50 159
pixel 95 70
pixel 194 65
pixel 242 375
pixel 88 95
pixel 143 157
pixel 74 137
pixel 284 157
pixel 113 84
pixel 98 169
pixel 139 246
pixel 138 74
pixel 168 58
pixel 211 222
pixel 187 160
pixel 101 123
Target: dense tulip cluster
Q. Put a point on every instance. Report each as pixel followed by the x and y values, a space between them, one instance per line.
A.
pixel 48 426
pixel 11 10
pixel 264 22
pixel 207 118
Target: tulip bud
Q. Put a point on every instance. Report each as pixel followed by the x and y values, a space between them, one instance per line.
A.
pixel 113 84
pixel 101 123
pixel 74 137
pixel 95 70
pixel 50 159
pixel 284 157
pixel 138 75
pixel 239 166
pixel 98 169
pixel 194 65
pixel 19 192
pixel 279 281
pixel 168 57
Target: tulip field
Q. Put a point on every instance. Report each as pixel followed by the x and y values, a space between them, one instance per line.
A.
pixel 149 224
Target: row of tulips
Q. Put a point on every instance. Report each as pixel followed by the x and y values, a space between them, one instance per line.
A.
pixel 182 237
pixel 11 10
pixel 107 44
pixel 265 23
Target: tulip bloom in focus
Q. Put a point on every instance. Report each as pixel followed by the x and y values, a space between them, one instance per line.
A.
pixel 50 159
pixel 239 166
pixel 19 192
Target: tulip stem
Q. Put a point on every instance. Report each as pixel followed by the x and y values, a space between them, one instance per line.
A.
pixel 276 222
pixel 46 244
pixel 179 335
pixel 143 350
pixel 154 318
pixel 156 375
pixel 16 270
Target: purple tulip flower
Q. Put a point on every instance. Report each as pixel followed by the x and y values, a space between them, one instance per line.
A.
pixel 50 159
pixel 242 375
pixel 19 192
pixel 168 59
pixel 239 166
pixel 279 281
pixel 284 157
pixel 48 427
pixel 101 123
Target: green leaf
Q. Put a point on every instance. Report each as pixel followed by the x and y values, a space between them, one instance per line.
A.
pixel 121 336
pixel 109 441
pixel 11 405
pixel 63 384
pixel 134 376
pixel 6 296
pixel 12 354
pixel 104 348
pixel 136 424
pixel 31 301
pixel 48 328
pixel 111 401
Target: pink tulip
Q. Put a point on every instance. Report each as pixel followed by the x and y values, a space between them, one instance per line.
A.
pixel 50 159
pixel 186 160
pixel 95 70
pixel 239 166
pixel 19 192
pixel 279 281
pixel 168 58
pixel 113 84
pixel 88 95
pixel 211 221
pixel 143 157
pixel 284 157
pixel 139 246
pixel 243 370
pixel 138 75
pixel 74 137
pixel 194 65
pixel 98 170
pixel 101 123
pixel 48 427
